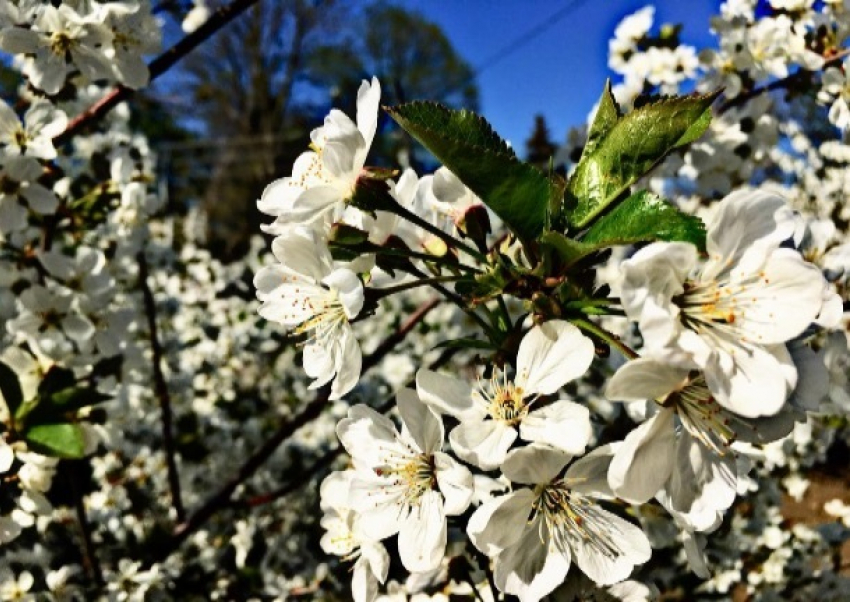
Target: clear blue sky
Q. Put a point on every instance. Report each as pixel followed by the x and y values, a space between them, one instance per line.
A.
pixel 560 66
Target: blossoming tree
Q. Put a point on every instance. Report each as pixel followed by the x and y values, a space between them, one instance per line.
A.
pixel 489 382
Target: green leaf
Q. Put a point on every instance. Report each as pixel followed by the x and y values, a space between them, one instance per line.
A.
pixel 466 144
pixel 620 152
pixel 60 440
pixel 10 388
pixel 645 217
pixel 606 117
pixel 567 250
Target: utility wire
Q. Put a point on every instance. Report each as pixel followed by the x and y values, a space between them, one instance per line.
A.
pixel 520 41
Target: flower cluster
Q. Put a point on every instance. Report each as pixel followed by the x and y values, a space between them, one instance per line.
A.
pixel 491 380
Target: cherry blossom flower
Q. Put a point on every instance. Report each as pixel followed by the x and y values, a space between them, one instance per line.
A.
pixel 535 533
pixel 58 33
pixel 550 355
pixel 682 451
pixel 732 314
pixel 308 295
pixel 323 179
pixel 344 538
pixel 34 137
pixel 403 483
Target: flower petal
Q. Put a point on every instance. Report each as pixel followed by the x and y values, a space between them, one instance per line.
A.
pixel 551 355
pixel 423 535
pixel 644 461
pixel 484 443
pixel 563 425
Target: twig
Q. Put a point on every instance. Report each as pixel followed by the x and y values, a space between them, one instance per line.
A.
pixel 218 19
pixel 301 479
pixel 313 410
pixel 800 74
pixel 161 389
pixel 398 336
pixel 90 561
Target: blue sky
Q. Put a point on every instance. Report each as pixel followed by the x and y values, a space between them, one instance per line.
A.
pixel 560 66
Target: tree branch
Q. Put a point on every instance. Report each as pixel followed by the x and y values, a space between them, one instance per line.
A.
pixel 799 75
pixel 303 477
pixel 90 561
pixel 161 388
pixel 313 410
pixel 157 67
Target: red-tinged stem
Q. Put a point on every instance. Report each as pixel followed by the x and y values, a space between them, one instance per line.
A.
pixel 218 19
pixel 161 388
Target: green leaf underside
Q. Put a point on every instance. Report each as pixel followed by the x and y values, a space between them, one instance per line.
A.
pixel 10 388
pixel 621 151
pixel 466 144
pixel 645 217
pixel 60 440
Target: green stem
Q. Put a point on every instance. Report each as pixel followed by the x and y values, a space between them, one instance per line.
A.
pixel 391 290
pixel 608 337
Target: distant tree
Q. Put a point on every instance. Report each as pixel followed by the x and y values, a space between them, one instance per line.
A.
pixel 539 148
pixel 412 58
pixel 242 84
pixel 259 86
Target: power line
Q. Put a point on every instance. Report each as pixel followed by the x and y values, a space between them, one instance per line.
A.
pixel 526 37
pixel 521 40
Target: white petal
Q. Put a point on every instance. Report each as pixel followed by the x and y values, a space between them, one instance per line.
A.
pixel 531 569
pixel 589 475
pixel 482 442
pixel 364 586
pixel 348 366
pixel 423 535
pixel 757 385
pixel 747 226
pixel 455 483
pixel 786 300
pixel 644 462
pixel 364 433
pixel 349 288
pixel 632 549
pixel 812 377
pixel 702 483
pixel 644 379
pixel 368 99
pixel 422 424
pixel 378 557
pixel 7 456
pixel 448 395
pixel 312 204
pixel 563 425
pixel 550 355
pixel 534 464
pixel 499 523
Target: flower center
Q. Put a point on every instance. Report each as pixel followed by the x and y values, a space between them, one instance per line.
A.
pixel 505 401
pixel 570 517
pixel 414 474
pixel 61 43
pixel 719 307
pixel 704 418
pixel 327 313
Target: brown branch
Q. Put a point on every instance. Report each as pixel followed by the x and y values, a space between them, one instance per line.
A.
pixel 303 476
pixel 313 410
pixel 90 561
pixel 161 388
pixel 157 67
pixel 799 75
